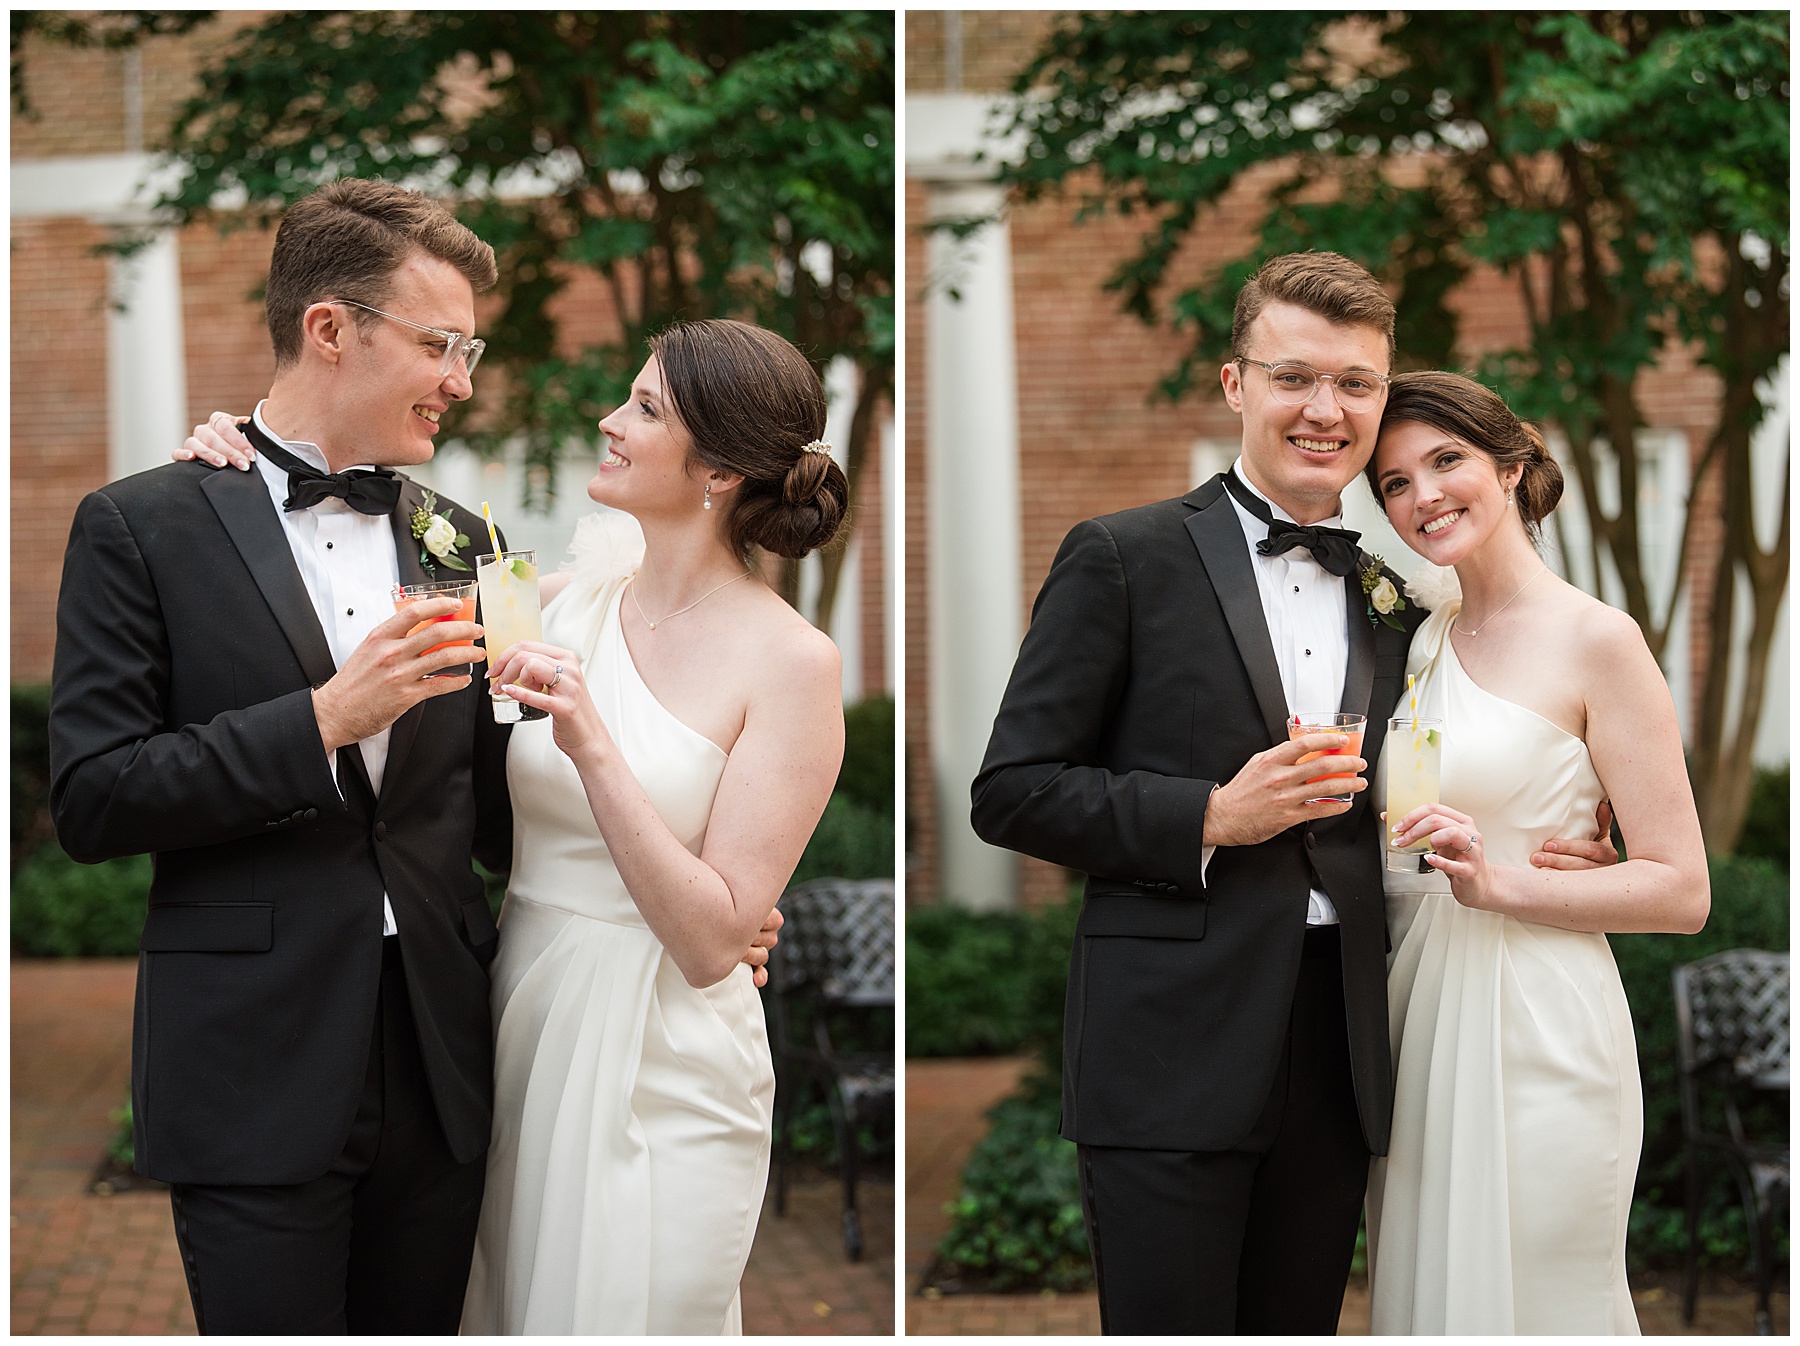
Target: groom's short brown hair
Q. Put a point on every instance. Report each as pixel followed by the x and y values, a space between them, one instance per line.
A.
pixel 347 239
pixel 1325 283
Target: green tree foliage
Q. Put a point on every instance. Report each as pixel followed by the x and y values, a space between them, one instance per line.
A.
pixel 1628 172
pixel 733 163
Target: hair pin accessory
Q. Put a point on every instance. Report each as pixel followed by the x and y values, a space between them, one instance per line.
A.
pixel 817 446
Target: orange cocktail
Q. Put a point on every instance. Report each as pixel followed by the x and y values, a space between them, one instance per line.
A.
pixel 1351 726
pixel 405 595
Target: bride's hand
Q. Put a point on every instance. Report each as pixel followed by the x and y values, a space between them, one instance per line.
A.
pixel 1457 852
pixel 218 442
pixel 535 674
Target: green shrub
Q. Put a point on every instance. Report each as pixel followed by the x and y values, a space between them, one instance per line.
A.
pixel 1017 1222
pixel 61 909
pixel 30 771
pixel 1749 910
pixel 984 983
pixel 852 841
pixel 1766 825
pixel 965 981
pixel 867 776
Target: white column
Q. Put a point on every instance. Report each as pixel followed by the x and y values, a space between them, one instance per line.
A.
pixel 972 451
pixel 146 370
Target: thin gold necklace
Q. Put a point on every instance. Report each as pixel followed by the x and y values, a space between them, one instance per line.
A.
pixel 689 608
pixel 1497 611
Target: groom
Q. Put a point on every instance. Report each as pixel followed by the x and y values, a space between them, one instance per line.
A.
pixel 1226 1070
pixel 312 1062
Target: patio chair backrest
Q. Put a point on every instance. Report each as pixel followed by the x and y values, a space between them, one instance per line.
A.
pixel 1733 1008
pixel 839 940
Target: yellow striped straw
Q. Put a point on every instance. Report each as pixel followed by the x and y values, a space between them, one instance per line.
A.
pixel 494 533
pixel 1412 700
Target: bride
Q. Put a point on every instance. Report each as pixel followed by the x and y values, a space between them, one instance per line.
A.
pixel 1501 1206
pixel 694 736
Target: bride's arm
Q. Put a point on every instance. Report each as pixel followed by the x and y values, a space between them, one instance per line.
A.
pixel 1634 740
pixel 705 909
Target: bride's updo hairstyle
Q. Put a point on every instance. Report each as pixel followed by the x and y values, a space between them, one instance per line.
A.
pixel 1481 419
pixel 752 404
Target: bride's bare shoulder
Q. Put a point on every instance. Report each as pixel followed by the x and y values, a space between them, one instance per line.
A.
pixel 790 653
pixel 1604 636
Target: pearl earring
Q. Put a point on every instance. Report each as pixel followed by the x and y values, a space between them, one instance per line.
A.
pixel 707 503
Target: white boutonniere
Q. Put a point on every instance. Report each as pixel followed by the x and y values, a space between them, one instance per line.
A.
pixel 438 538
pixel 1384 598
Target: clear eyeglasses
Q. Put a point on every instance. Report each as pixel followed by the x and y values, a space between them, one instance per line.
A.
pixel 455 343
pixel 1297 384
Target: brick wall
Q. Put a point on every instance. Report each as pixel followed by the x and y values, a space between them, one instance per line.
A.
pixel 920 802
pixel 58 416
pixel 993 44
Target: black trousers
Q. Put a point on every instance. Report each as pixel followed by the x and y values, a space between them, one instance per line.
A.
pixel 1256 1239
pixel 379 1245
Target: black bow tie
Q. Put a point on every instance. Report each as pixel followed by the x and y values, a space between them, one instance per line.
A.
pixel 367 490
pixel 1333 548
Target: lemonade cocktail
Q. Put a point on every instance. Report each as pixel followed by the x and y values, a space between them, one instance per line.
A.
pixel 510 612
pixel 1413 760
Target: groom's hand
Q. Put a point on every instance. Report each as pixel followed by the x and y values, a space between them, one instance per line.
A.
pixel 1562 853
pixel 758 953
pixel 1269 795
pixel 388 674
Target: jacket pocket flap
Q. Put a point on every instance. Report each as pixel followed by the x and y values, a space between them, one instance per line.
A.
pixel 209 927
pixel 1111 912
pixel 478 920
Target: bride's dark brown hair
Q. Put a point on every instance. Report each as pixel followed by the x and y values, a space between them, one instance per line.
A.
pixel 1480 418
pixel 751 403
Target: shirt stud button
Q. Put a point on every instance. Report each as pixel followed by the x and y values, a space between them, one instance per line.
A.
pixel 349 612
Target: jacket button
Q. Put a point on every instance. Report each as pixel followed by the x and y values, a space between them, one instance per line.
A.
pixel 381 831
pixel 1311 841
pixel 312 815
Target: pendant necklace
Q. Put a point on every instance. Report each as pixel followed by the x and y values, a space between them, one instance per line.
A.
pixel 1497 611
pixel 690 607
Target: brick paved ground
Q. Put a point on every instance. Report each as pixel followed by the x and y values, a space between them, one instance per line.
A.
pixel 945 1106
pixel 84 1264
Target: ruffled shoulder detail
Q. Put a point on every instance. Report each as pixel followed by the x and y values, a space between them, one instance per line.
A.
pixel 1429 641
pixel 606 546
pixel 1433 587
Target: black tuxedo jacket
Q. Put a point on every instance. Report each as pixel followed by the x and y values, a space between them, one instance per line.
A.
pixel 181 724
pixel 1147 678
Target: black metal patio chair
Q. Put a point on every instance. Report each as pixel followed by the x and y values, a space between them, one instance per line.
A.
pixel 836 953
pixel 1731 1016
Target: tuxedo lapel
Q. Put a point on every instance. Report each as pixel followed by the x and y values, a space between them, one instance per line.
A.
pixel 1219 537
pixel 406 546
pixel 1359 672
pixel 241 500
pixel 406 551
pixel 242 503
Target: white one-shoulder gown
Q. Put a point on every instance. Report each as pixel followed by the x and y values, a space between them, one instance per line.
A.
pixel 632 1112
pixel 1502 1203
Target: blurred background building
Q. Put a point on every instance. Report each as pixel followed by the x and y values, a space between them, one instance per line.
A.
pixel 1030 408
